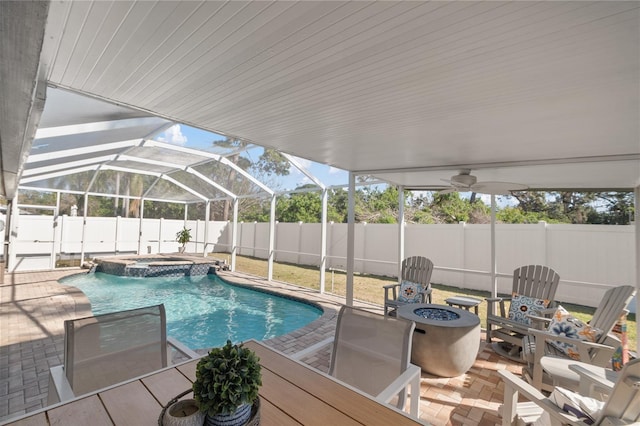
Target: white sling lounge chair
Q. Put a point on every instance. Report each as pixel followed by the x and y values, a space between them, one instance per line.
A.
pixel 103 350
pixel 372 353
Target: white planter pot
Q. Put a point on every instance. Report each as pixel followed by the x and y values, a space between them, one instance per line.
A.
pixel 183 413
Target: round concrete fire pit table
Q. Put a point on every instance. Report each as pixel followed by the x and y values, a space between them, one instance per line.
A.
pixel 446 340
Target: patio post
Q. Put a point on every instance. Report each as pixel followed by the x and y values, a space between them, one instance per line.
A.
pixel 140 225
pixel 350 238
pixel 323 239
pixel 494 267
pixel 272 236
pixel 9 234
pixel 56 234
pixel 637 229
pixel 400 230
pixel 84 227
pixel 234 234
pixel 207 218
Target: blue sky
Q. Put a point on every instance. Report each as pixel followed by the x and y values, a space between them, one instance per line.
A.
pixel 190 137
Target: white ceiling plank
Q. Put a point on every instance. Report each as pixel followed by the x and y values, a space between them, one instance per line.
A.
pixel 373 85
pixel 35 158
pixel 67 165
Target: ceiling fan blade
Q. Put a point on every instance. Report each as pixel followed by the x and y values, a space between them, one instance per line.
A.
pixel 427 187
pixel 498 188
pixel 448 191
pixel 458 185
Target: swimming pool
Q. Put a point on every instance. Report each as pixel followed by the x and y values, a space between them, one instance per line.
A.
pixel 202 311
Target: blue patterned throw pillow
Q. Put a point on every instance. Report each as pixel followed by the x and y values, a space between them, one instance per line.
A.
pixel 564 324
pixel 410 292
pixel 521 306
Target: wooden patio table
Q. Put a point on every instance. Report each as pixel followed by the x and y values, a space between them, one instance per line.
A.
pixel 291 394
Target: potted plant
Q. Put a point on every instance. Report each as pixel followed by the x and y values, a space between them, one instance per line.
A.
pixel 183 237
pixel 227 384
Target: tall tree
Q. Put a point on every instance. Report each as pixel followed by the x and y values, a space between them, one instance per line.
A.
pixel 270 163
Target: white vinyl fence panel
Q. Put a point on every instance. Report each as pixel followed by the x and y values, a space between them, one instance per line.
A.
pixel 589 258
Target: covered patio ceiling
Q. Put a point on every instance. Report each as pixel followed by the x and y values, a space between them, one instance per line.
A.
pixel 77 150
pixel 541 93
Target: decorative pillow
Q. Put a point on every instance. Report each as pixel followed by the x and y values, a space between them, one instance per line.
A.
pixel 564 324
pixel 584 408
pixel 410 292
pixel 521 306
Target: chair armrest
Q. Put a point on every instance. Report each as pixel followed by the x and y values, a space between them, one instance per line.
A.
pixel 522 387
pixel 311 349
pixel 612 421
pixel 547 312
pixel 591 380
pixel 501 300
pixel 539 322
pixel 504 322
pixel 425 295
pixel 583 347
pixel 515 386
pixel 182 348
pixel 545 335
pixel 392 287
pixel 410 376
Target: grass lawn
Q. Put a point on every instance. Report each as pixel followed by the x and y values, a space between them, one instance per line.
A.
pixel 368 288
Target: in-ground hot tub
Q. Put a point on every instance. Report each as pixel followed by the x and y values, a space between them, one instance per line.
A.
pixel 446 340
pixel 156 265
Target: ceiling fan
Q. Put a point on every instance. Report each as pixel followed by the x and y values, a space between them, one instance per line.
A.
pixel 466 182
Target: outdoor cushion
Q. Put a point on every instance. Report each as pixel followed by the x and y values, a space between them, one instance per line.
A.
pixel 582 407
pixel 564 324
pixel 521 306
pixel 410 292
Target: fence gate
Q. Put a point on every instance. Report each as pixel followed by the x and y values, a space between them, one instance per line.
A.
pixel 33 246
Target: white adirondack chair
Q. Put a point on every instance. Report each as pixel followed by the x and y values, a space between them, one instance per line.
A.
pixel 416 269
pixel 534 281
pixel 621 408
pixel 549 367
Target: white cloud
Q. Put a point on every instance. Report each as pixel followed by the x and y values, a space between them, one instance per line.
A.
pixel 173 136
pixel 305 180
pixel 334 171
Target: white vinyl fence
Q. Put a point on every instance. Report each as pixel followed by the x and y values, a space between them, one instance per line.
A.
pixel 589 258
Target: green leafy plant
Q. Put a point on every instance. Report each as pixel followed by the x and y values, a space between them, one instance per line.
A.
pixel 183 236
pixel 227 378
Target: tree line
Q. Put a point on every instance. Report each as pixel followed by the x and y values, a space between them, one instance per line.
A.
pixel 373 203
pixel 376 205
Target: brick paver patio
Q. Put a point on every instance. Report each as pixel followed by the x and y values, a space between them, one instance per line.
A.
pixel 33 307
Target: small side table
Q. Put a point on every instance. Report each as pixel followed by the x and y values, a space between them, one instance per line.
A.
pixel 464 302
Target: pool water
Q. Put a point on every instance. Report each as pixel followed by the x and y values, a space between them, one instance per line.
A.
pixel 202 311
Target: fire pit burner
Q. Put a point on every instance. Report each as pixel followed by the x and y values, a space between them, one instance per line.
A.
pixel 437 314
